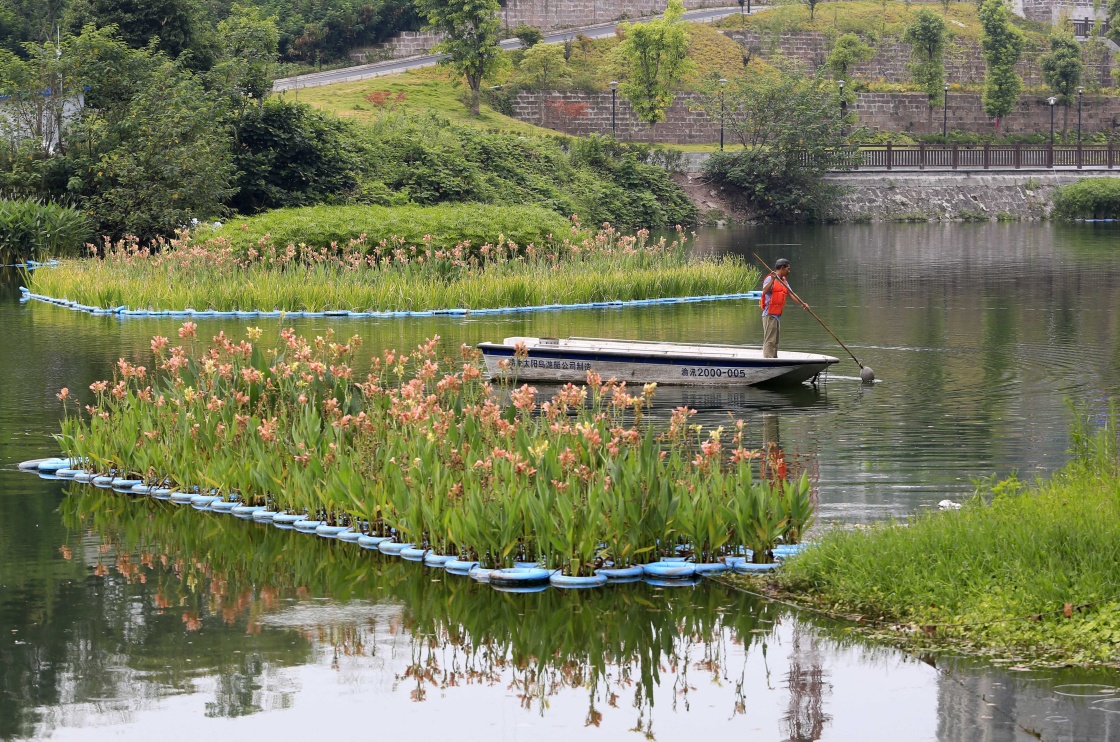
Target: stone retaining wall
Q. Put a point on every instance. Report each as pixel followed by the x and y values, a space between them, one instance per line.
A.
pixel 553 15
pixel 581 113
pixel 964 61
pixel 951 196
pixel 407 44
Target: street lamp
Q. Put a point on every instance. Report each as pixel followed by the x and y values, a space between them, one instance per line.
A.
pixel 843 108
pixel 722 87
pixel 945 114
pixel 1080 90
pixel 614 106
pixel 1052 100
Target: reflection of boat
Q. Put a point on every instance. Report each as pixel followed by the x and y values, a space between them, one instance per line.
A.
pixel 560 360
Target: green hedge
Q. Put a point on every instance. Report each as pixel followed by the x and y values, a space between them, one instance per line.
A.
pixel 36 230
pixel 1088 198
pixel 448 224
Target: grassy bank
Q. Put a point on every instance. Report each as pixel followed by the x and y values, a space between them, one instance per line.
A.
pixel 389 275
pixel 421 448
pixel 1026 573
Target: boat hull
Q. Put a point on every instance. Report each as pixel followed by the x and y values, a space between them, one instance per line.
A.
pixel 643 363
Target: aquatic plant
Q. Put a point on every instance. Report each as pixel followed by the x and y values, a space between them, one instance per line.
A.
pixel 1023 570
pixel 358 275
pixel 421 447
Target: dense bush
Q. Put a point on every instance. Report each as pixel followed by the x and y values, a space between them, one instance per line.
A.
pixel 1088 198
pixel 429 161
pixel 35 230
pixel 446 224
pixel 287 154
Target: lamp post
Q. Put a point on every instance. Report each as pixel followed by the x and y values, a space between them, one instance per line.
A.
pixel 722 87
pixel 1052 100
pixel 614 106
pixel 945 114
pixel 843 108
pixel 1080 91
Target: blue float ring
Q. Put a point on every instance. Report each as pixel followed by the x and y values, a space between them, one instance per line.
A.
pixel 621 573
pixel 414 554
pixel 431 559
pixel 459 566
pixel 349 536
pixel 570 582
pixel 711 568
pixel 670 570
pixel 392 548
pixel 514 577
pixel 750 568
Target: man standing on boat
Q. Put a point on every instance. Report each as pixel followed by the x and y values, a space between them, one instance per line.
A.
pixel 775 291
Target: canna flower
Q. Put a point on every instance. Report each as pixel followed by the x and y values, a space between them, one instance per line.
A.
pixel 98 387
pixel 63 395
pixel 159 343
pixel 254 333
pixel 188 330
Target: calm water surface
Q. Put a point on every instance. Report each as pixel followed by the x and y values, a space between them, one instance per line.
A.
pixel 129 619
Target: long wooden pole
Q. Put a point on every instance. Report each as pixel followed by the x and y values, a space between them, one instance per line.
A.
pixel 810 311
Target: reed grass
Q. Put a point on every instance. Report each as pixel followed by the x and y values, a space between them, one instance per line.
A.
pixel 420 447
pixel 1021 571
pixel 390 275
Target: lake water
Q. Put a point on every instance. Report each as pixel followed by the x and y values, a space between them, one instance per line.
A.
pixel 129 619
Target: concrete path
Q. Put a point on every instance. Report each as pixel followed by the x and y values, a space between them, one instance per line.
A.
pixel 392 67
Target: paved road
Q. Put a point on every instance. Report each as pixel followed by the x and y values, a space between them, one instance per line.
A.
pixel 362 72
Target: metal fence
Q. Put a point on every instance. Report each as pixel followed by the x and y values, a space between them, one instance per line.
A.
pixel 984 157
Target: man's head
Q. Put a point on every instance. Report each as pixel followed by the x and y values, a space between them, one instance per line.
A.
pixel 781 267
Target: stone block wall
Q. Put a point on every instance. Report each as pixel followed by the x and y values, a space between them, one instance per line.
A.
pixel 406 44
pixel 1051 11
pixel 579 113
pixel 964 61
pixel 554 15
pixel 909 112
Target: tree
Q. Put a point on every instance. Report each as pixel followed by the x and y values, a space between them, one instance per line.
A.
pixel 792 129
pixel 151 150
pixel 172 22
pixel 249 43
pixel 529 36
pixel 926 37
pixel 471 44
pixel 1061 70
pixel 543 67
pixel 656 56
pixel 812 7
pixel 1003 45
pixel 848 51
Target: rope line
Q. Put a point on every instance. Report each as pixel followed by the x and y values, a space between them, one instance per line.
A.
pixel 124 311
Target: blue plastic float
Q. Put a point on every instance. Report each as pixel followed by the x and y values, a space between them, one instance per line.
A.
pixel 286 519
pixel 308 525
pixel 670 569
pixel 392 548
pixel 162 493
pixel 265 515
pixel 371 542
pixel 105 482
pixel 672 582
pixel 621 573
pixel 241 510
pixel 67 473
pixel 224 506
pixel 518 577
pixel 711 568
pixel 459 566
pixel 50 466
pixel 569 582
pixel 350 536
pixel 750 568
pixel 327 531
pixel 414 554
pixel 432 559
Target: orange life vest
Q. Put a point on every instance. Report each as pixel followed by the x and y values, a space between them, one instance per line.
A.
pixel 775 302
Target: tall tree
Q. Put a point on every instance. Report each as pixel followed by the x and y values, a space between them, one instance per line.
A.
pixel 656 56
pixel 792 128
pixel 926 36
pixel 171 22
pixel 249 43
pixel 848 51
pixel 1003 45
pixel 471 44
pixel 1061 70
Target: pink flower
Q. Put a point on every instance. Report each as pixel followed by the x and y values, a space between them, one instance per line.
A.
pixel 188 330
pixel 63 395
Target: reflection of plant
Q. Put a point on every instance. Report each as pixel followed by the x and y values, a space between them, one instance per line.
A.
pixel 616 644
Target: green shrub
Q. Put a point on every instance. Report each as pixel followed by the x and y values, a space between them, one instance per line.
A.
pixel 448 224
pixel 36 230
pixel 1088 198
